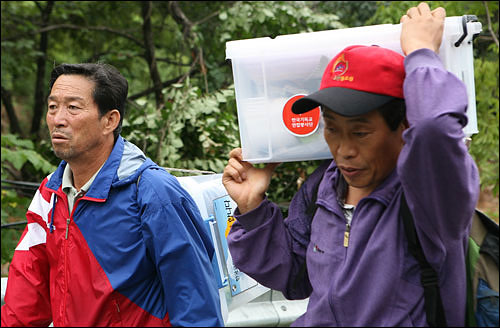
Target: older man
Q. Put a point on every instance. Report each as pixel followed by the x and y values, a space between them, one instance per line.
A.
pixel 112 239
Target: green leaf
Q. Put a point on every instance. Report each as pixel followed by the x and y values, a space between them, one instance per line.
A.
pixel 177 143
pixel 223 16
pixel 16 158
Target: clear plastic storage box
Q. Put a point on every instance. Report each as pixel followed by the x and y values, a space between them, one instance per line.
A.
pixel 269 73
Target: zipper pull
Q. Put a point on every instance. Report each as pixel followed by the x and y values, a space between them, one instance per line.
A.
pixel 346 234
pixel 67 227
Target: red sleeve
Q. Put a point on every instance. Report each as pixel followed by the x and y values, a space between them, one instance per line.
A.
pixel 27 297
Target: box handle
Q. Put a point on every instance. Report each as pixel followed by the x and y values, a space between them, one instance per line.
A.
pixel 465 20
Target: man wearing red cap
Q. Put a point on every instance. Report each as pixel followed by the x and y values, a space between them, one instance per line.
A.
pixel 394 127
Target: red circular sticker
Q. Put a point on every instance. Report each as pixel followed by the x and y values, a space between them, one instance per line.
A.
pixel 300 125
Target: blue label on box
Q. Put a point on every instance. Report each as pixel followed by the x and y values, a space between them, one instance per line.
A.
pixel 224 208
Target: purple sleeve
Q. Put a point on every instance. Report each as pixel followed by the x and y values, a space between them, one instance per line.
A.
pixel 272 250
pixel 259 245
pixel 438 175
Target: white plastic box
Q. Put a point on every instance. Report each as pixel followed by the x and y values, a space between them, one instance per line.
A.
pixel 268 72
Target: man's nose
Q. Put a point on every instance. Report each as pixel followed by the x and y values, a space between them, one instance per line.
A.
pixel 59 117
pixel 346 149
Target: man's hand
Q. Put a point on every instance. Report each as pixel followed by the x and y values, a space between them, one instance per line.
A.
pixel 244 183
pixel 422 28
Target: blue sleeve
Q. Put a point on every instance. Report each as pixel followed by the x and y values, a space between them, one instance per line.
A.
pixel 181 250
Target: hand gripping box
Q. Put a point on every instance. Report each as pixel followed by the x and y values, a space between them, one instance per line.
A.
pixel 270 74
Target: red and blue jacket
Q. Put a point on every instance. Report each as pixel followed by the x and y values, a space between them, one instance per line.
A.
pixel 133 252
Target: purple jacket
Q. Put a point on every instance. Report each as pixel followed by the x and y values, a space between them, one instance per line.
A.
pixel 375 281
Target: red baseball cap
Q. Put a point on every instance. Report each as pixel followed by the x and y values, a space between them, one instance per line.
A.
pixel 356 81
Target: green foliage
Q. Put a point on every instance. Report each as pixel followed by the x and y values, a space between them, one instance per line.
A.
pixel 193 131
pixel 251 19
pixel 13 210
pixel 18 152
pixel 350 13
pixel 196 130
pixel 484 145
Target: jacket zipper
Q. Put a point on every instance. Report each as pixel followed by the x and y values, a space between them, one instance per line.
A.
pixel 68 221
pixel 67 227
pixel 66 266
pixel 346 234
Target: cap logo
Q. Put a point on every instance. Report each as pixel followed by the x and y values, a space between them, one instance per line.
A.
pixel 339 68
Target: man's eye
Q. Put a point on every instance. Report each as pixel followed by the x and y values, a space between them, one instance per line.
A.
pixel 360 134
pixel 73 107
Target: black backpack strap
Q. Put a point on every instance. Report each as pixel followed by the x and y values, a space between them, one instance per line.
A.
pixel 433 304
pixel 312 207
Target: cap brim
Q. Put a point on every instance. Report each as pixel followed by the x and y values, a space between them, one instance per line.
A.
pixel 343 101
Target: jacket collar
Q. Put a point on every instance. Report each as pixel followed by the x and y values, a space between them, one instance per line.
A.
pixel 102 183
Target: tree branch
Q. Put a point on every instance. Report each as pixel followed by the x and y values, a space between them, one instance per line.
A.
pixel 38 5
pixel 169 61
pixel 191 70
pixel 39 96
pixel 188 33
pixel 14 126
pixel 77 27
pixel 489 23
pixel 180 18
pixel 147 31
pixel 204 19
pixel 165 84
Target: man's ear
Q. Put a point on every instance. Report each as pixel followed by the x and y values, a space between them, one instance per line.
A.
pixel 401 128
pixel 404 124
pixel 110 121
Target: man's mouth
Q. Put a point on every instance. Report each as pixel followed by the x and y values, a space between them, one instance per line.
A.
pixel 349 171
pixel 59 137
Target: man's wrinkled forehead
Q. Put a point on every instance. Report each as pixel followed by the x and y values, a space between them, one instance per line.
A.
pixel 71 87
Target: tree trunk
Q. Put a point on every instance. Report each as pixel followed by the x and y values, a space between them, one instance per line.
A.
pixel 13 121
pixel 150 51
pixel 39 106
